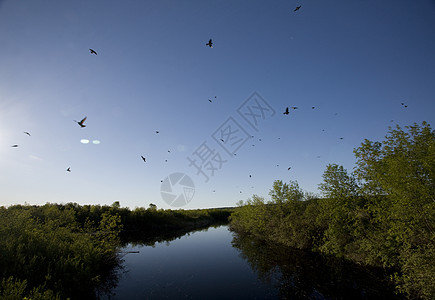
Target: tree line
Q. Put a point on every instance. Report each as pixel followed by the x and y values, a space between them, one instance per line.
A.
pixel 71 251
pixel 380 214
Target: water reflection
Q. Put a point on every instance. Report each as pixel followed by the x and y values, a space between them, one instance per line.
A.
pixel 215 263
pixel 303 275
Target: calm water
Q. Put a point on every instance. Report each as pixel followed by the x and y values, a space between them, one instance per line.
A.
pixel 217 264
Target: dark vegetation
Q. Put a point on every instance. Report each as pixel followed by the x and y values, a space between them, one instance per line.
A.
pixel 301 274
pixel 59 251
pixel 380 215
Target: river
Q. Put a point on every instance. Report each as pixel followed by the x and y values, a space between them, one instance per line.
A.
pixel 216 263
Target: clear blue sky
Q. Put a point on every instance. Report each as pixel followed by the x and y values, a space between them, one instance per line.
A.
pixel 355 61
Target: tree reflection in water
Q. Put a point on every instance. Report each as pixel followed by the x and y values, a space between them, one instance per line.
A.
pixel 299 274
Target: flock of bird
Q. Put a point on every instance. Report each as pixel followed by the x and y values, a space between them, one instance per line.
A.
pixel 209 44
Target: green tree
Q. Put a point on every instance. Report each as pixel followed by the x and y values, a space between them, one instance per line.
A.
pixel 337 183
pixel 399 175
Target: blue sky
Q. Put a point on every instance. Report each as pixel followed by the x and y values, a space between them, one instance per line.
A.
pixel 354 61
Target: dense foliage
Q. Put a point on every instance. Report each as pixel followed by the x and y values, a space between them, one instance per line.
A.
pixel 382 214
pixel 47 254
pixel 59 251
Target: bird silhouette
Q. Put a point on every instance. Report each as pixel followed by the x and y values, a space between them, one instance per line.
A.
pixel 288 169
pixel 341 138
pixel 294 107
pixel 209 100
pixel 143 158
pixel 93 51
pixel 210 43
pixel 286 111
pixel 312 107
pixel 27 133
pixel 297 8
pixel 81 122
pixel 14 146
pixel 157 131
pixel 250 176
pixel 69 169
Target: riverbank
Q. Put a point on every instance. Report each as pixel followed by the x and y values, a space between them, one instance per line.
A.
pixel 72 251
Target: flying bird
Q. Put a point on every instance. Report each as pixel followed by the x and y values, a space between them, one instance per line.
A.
pixel 69 169
pixel 93 51
pixel 288 169
pixel 14 146
pixel 312 107
pixel 157 131
pixel 297 8
pixel 341 138
pixel 27 133
pixel 210 43
pixel 294 107
pixel 143 158
pixel 81 122
pixel 286 111
pixel 209 100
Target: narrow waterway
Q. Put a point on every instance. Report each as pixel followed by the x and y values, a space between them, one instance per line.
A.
pixel 218 264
